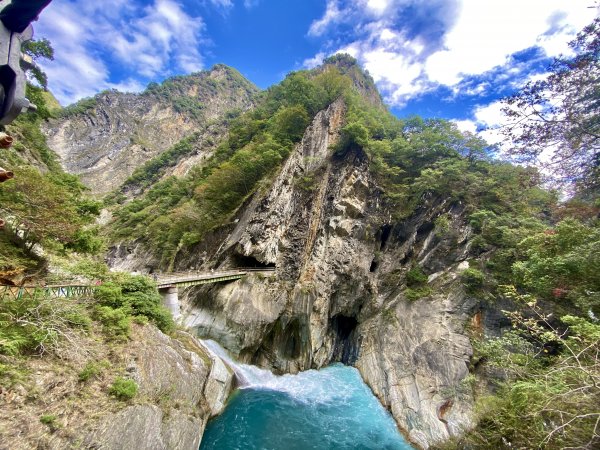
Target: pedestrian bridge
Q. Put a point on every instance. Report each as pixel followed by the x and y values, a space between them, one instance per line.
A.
pixel 185 279
pixel 168 284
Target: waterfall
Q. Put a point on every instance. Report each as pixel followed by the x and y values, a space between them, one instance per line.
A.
pixel 310 386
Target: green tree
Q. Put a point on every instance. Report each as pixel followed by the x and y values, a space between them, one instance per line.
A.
pixel 39 49
pixel 48 206
pixel 561 264
pixel 289 123
pixel 558 118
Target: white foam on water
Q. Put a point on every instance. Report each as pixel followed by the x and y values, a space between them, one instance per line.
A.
pixel 311 386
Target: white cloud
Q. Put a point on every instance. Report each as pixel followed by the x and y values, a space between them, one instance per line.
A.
pixel 129 85
pixel 378 7
pixel 395 72
pixel 350 49
pixel 95 42
pixel 314 62
pixel 487 33
pixel 410 47
pixel 249 4
pixel 466 125
pixel 489 115
pixel 487 122
pixel 332 15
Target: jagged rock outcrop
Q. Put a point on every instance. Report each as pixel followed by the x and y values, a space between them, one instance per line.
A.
pixel 339 291
pixel 181 384
pixel 105 142
pixel 186 385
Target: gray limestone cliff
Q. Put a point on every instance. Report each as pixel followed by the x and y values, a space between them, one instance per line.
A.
pixel 105 140
pixel 184 385
pixel 339 290
pixel 181 384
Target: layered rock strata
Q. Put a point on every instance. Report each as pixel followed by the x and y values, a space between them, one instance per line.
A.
pixel 339 292
pixel 106 142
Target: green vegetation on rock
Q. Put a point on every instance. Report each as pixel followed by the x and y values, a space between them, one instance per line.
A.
pixel 123 389
pixel 82 106
pixel 128 295
pixel 42 204
pixel 177 213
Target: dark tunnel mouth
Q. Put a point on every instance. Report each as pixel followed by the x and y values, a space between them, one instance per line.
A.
pixel 386 231
pixel 374 265
pixel 344 325
pixel 250 262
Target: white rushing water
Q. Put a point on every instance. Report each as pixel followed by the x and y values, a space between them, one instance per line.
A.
pixel 327 409
pixel 310 386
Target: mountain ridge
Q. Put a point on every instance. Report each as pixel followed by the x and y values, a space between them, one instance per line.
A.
pixel 104 139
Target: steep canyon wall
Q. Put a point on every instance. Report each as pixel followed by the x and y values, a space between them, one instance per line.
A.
pixel 339 293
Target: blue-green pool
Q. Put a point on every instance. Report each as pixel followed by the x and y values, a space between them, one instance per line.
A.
pixel 326 409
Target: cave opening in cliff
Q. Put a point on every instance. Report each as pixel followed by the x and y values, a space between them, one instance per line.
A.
pixel 424 230
pixel 285 339
pixel 250 262
pixel 374 265
pixel 292 345
pixel 346 340
pixel 386 230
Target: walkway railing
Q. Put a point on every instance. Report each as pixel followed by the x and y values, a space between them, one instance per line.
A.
pixel 68 290
pixel 184 279
pixel 181 279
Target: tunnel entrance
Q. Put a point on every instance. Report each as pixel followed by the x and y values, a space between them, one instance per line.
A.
pixel 374 265
pixel 250 262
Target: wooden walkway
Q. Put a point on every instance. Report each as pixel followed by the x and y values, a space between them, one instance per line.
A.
pixel 185 279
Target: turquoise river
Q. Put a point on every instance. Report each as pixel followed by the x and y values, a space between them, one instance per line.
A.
pixel 325 409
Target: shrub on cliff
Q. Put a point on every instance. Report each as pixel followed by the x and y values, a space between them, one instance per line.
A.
pixel 134 296
pixel 549 397
pixel 472 279
pixel 415 276
pixel 38 324
pixel 123 388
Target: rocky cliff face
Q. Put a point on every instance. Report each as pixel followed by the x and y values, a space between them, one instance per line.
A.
pixel 186 385
pixel 105 142
pixel 339 290
pixel 181 385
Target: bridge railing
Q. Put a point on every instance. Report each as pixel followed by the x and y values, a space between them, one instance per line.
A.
pixel 62 290
pixel 175 277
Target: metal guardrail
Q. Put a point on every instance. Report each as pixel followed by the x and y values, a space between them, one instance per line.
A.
pixel 69 290
pixel 184 279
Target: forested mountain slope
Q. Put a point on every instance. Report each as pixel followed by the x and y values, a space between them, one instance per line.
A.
pixel 464 292
pixel 105 138
pixel 66 373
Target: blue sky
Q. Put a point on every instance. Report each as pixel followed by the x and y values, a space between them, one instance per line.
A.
pixel 437 58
